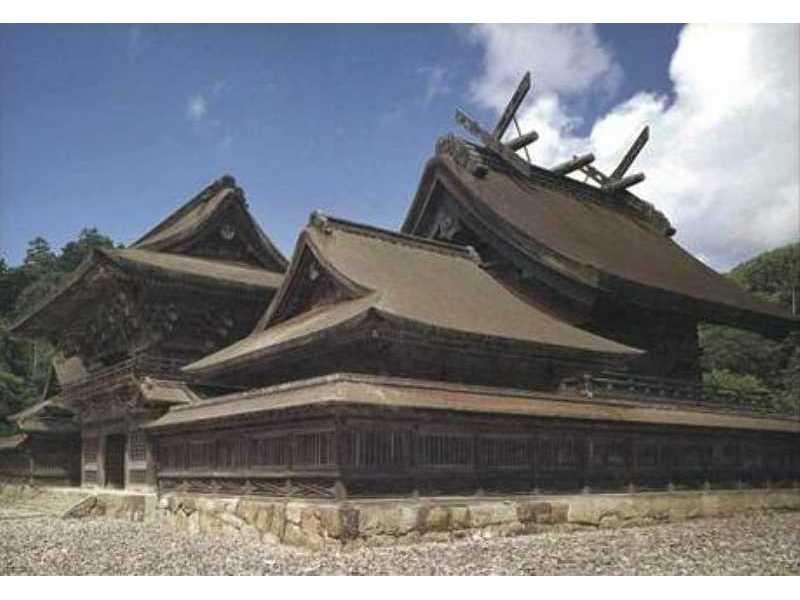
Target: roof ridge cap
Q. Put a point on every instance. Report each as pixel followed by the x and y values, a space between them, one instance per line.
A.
pixel 325 224
pixel 226 181
pixel 478 161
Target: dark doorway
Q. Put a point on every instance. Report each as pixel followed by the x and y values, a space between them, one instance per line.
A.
pixel 115 461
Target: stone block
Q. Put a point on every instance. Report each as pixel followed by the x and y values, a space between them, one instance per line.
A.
pixel 436 518
pixel 294 512
pixel 263 517
pixel 278 525
pixel 484 514
pixel 248 510
pixel 193 523
pixel 460 518
pixel 533 512
pixel 381 519
pixel 231 520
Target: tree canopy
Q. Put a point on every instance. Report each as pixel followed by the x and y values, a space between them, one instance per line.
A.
pixel 742 360
pixel 24 366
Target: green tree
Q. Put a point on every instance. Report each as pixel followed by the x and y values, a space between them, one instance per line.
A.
pixel 76 251
pixel 736 358
pixel 24 366
pixel 39 259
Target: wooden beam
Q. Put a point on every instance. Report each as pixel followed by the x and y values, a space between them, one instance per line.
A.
pixel 614 185
pixel 523 140
pixel 577 162
pixel 631 155
pixel 513 105
pixel 595 174
pixel 492 143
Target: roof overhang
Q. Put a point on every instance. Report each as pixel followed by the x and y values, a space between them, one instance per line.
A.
pixel 383 392
pixel 103 267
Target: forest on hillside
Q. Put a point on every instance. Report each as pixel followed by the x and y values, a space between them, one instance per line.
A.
pixel 732 358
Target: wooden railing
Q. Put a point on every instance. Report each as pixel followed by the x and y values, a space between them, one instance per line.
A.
pixel 124 372
pixel 669 391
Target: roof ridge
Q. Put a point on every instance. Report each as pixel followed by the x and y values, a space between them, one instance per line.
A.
pixel 477 160
pixel 226 181
pixel 325 223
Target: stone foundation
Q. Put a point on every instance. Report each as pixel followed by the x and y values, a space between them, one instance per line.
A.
pixel 322 524
pixel 73 502
pixel 319 524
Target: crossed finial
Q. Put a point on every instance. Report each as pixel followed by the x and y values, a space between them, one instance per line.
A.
pixel 508 150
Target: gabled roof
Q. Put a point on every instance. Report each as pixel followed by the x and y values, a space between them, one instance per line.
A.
pixel 614 243
pixel 47 416
pixel 407 280
pixel 181 231
pixel 146 263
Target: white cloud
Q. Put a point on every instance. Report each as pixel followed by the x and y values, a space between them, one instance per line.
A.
pixel 566 59
pixel 436 84
pixel 722 161
pixel 196 107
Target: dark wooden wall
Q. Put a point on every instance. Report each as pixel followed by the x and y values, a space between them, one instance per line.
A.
pixel 374 452
pixel 43 460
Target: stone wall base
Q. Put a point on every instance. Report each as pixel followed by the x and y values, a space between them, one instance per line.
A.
pixel 321 524
pixel 75 502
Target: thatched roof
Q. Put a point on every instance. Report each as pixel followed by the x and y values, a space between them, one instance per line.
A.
pixel 615 244
pixel 405 279
pixel 360 390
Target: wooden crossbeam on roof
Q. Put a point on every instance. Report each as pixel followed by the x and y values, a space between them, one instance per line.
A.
pixel 631 155
pixel 513 106
pixel 613 185
pixel 576 163
pixel 491 142
pixel 617 180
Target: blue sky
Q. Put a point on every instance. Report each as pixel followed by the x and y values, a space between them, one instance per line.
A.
pixel 115 126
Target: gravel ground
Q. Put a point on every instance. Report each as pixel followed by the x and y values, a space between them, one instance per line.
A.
pixel 757 544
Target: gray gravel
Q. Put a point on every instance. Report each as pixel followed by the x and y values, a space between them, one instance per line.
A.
pixel 757 544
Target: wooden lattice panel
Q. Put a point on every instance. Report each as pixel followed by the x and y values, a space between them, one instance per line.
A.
pixel 91 447
pixel 314 449
pixel 137 477
pixel 558 453
pixel 137 448
pixel 446 450
pixel 272 451
pixel 380 448
pixel 508 451
pixel 90 478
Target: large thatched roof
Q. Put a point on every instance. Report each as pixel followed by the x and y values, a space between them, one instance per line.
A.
pixel 615 244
